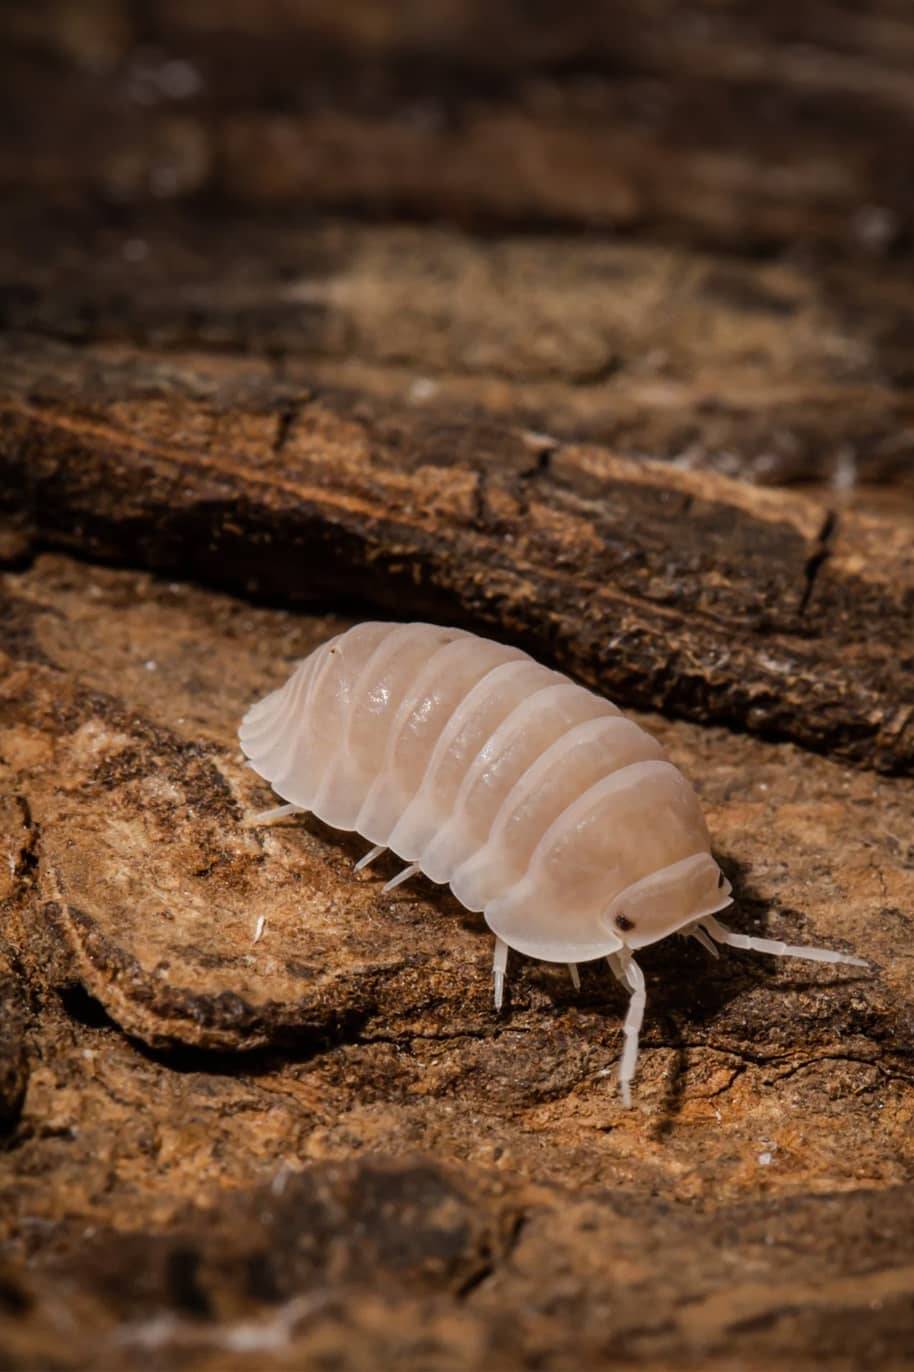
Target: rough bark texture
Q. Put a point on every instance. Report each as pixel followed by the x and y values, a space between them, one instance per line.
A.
pixel 759 614
pixel 253 1112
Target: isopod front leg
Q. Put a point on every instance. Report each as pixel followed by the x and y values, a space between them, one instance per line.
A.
pixel 627 971
pixel 267 816
pixel 700 935
pixel 775 947
pixel 499 970
pixel 573 973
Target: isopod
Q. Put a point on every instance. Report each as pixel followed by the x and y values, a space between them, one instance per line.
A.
pixel 537 801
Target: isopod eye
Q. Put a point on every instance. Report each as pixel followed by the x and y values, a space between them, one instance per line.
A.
pixel 623 922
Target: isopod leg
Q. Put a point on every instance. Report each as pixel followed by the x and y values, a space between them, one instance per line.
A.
pixel 700 935
pixel 369 857
pixel 499 968
pixel 399 879
pixel 575 978
pixel 267 816
pixel 626 970
pixel 775 947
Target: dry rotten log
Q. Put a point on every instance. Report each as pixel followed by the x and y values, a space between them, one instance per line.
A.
pixel 754 1204
pixel 121 700
pixel 677 591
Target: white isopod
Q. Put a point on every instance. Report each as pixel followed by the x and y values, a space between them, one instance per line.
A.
pixel 535 800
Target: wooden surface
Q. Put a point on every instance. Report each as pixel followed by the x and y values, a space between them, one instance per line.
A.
pixel 594 333
pixel 759 612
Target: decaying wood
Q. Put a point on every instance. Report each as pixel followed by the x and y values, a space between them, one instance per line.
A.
pixel 255 1114
pixel 137 907
pixel 756 612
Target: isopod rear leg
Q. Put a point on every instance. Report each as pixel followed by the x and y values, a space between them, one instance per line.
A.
pixel 499 970
pixel 627 971
pixel 575 976
pixel 267 816
pixel 775 947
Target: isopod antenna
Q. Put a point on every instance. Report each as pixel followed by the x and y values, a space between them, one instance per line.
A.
pixel 775 947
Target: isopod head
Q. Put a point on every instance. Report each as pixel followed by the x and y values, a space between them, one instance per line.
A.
pixel 536 921
pixel 665 902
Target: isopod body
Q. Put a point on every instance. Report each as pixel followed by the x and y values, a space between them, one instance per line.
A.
pixel 538 802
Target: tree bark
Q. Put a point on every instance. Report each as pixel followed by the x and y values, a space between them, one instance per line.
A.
pixel 758 612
